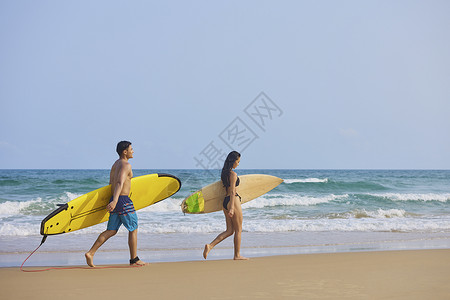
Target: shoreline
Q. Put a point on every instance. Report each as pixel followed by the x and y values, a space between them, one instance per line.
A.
pixel 69 250
pixel 405 274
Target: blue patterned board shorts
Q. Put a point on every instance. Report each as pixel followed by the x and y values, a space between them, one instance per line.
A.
pixel 124 213
pixel 130 221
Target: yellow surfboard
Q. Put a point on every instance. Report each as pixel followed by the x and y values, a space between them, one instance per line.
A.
pixel 90 209
pixel 210 198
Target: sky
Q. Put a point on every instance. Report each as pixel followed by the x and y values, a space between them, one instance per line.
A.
pixel 289 84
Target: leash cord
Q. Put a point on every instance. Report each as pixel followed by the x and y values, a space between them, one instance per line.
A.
pixel 70 268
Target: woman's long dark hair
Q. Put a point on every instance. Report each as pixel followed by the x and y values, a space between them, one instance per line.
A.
pixel 227 166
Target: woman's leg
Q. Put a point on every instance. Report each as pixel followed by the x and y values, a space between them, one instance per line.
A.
pixel 228 232
pixel 237 225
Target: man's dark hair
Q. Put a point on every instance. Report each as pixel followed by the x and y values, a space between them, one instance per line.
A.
pixel 121 146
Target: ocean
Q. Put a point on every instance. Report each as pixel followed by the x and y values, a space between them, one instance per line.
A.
pixel 312 211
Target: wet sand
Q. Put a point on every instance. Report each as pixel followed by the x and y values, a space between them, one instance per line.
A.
pixel 416 274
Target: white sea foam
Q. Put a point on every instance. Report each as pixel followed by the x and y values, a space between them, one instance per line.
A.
pixel 306 180
pixel 290 200
pixel 389 213
pixel 346 225
pixel 166 217
pixel 363 213
pixel 375 221
pixel 268 200
pixel 27 229
pixel 167 205
pixel 315 225
pixel 14 208
pixel 68 196
pixel 38 205
pixel 415 197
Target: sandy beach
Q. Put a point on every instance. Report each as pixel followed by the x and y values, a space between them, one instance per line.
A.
pixel 418 274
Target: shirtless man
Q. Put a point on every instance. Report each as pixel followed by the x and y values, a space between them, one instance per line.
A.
pixel 120 206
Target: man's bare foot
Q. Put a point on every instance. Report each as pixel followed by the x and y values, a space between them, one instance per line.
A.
pixel 139 263
pixel 240 258
pixel 89 259
pixel 206 251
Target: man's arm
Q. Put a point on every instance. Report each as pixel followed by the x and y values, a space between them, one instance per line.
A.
pixel 111 174
pixel 118 186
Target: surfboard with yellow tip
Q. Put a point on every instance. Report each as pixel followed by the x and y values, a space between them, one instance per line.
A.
pixel 210 198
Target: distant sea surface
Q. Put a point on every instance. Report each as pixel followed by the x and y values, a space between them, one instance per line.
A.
pixel 311 211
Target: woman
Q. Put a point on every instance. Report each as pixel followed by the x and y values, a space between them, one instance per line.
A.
pixel 231 206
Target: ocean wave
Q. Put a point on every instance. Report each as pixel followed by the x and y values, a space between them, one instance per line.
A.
pixel 36 206
pixel 166 205
pixel 68 196
pixel 291 200
pixel 323 185
pixel 91 182
pixel 9 182
pixel 268 200
pixel 214 225
pixel 414 197
pixel 379 222
pixel 8 229
pixel 377 214
pixel 348 225
pixel 40 207
pixel 306 180
pixel 14 208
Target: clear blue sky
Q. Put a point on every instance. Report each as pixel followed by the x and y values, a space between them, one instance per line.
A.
pixel 357 84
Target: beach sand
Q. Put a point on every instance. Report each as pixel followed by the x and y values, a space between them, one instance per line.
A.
pixel 407 274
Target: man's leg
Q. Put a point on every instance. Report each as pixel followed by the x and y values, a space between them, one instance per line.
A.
pixel 102 238
pixel 132 243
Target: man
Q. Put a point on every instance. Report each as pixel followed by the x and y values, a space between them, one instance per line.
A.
pixel 120 206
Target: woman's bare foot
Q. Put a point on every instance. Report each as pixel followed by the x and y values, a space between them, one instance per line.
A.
pixel 206 251
pixel 240 258
pixel 89 259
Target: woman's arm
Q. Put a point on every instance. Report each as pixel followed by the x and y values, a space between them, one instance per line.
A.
pixel 233 178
